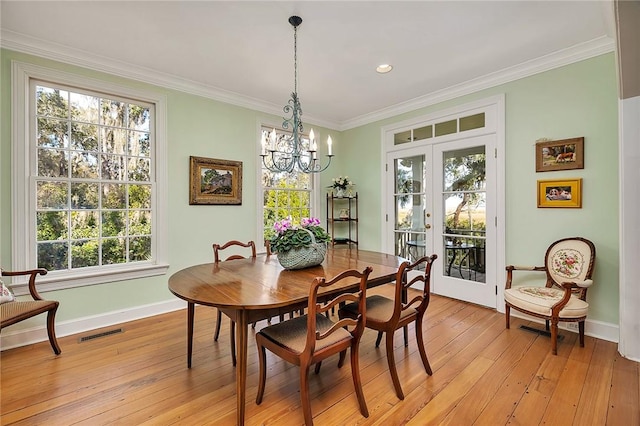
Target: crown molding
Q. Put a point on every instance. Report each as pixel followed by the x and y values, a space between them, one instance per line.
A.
pixel 17 42
pixel 557 59
pixel 56 52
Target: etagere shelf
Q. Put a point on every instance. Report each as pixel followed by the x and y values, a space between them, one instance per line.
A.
pixel 342 219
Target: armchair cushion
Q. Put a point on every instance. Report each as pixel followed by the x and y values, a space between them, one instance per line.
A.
pixel 7 295
pixel 541 299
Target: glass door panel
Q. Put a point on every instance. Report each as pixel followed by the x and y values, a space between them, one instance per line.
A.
pixel 465 217
pixel 410 206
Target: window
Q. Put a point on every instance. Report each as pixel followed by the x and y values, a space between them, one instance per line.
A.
pixel 94 164
pixel 285 194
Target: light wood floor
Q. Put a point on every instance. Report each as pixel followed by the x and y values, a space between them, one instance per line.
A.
pixel 482 375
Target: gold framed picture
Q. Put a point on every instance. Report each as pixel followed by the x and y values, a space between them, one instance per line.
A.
pixel 213 181
pixel 566 154
pixel 560 193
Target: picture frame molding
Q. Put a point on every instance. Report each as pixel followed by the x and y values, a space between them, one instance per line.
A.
pixel 577 163
pixel 575 189
pixel 197 166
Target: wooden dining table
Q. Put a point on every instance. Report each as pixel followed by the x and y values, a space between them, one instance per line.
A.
pixel 253 289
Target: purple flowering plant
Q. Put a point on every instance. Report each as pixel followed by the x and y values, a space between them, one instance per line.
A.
pixel 289 235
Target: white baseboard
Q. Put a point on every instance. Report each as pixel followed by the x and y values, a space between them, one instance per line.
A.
pixel 28 336
pixel 597 329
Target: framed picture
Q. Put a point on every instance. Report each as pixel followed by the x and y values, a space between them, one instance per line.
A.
pixel 214 181
pixel 560 193
pixel 564 154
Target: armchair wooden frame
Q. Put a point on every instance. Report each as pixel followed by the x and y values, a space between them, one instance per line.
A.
pixel 311 338
pixel 571 288
pixel 387 316
pixel 16 311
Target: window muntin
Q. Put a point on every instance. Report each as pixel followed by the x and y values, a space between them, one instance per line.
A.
pixel 93 179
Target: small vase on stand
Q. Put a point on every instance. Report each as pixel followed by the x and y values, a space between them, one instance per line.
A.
pixel 339 192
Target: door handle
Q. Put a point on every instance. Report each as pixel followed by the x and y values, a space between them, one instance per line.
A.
pixel 427 226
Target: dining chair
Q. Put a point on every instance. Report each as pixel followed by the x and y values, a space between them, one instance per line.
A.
pixel 308 339
pixel 13 311
pixel 568 266
pixel 235 246
pixel 388 315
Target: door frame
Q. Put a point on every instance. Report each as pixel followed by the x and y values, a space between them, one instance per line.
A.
pixel 494 109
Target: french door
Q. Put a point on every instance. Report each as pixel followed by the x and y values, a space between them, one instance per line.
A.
pixel 442 200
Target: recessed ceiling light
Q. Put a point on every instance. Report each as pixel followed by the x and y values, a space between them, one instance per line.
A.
pixel 384 68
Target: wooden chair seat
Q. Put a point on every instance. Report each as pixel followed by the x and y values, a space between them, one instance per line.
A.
pixel 14 312
pixel 292 334
pixel 379 309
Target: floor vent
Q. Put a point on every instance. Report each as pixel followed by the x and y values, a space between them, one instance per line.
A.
pixel 103 334
pixel 540 332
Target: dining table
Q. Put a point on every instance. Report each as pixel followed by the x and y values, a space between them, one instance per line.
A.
pixel 253 289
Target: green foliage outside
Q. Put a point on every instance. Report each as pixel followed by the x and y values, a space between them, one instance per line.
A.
pixel 102 147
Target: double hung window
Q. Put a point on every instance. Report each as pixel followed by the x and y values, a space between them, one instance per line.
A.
pixel 93 192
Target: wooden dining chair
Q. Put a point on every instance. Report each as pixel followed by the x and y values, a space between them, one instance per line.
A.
pixel 235 246
pixel 13 311
pixel 387 315
pixel 308 339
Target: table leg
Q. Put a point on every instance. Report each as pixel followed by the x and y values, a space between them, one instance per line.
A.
pixel 242 324
pixel 190 315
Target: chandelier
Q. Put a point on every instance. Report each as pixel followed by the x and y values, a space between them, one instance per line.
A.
pixel 286 153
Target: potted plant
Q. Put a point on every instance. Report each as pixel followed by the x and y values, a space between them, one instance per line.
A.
pixel 299 246
pixel 340 185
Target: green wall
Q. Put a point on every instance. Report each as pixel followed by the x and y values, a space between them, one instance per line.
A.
pixel 576 100
pixel 571 101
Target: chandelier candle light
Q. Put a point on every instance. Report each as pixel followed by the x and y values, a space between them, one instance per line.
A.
pixel 286 153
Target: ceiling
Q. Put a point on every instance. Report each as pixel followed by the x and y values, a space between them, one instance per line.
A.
pixel 241 52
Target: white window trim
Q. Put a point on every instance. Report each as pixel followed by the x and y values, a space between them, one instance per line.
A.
pixel 24 254
pixel 315 181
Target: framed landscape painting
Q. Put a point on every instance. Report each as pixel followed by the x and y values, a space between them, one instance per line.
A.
pixel 214 181
pixel 560 193
pixel 566 154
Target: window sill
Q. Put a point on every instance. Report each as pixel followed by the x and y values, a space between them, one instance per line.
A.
pixel 65 280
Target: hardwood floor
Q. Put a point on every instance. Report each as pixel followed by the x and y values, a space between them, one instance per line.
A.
pixel 483 374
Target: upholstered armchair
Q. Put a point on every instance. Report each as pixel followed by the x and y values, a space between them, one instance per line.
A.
pixel 568 268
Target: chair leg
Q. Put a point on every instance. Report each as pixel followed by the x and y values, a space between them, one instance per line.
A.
pixel 507 314
pixel 378 339
pixel 343 355
pixel 392 366
pixel 218 322
pixel 546 325
pixel 581 332
pixel 190 315
pixel 405 334
pixel 317 369
pixel 357 383
pixel 304 395
pixel 421 348
pixel 262 358
pixel 51 330
pixel 554 336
